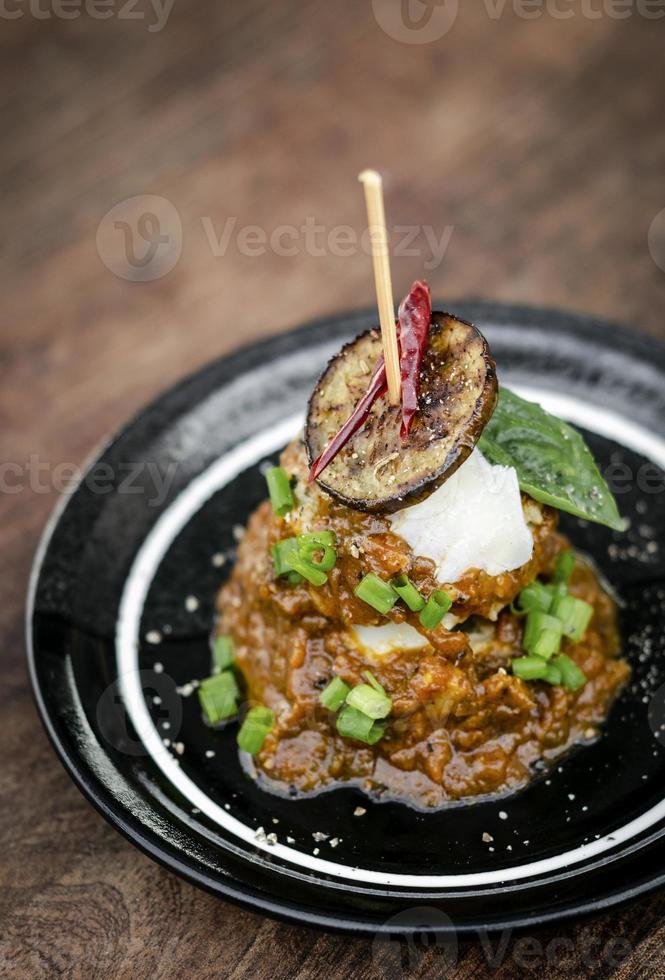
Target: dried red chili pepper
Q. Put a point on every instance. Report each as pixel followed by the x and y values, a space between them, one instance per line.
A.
pixel 414 318
pixel 377 386
pixel 415 315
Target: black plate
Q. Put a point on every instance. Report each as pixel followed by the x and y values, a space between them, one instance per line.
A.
pixel 150 525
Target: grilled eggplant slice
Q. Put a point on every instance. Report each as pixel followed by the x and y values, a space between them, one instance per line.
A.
pixel 377 471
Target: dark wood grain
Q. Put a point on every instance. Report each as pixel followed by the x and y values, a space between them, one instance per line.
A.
pixel 541 142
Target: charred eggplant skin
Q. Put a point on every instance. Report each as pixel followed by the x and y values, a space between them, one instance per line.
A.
pixel 378 472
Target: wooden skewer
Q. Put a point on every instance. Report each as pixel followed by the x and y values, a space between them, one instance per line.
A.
pixel 373 186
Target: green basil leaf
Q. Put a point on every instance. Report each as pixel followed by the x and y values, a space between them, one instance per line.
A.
pixel 554 464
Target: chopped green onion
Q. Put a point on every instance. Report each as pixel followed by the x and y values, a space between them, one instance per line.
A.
pixel 530 668
pixel 542 634
pixel 281 551
pixel 334 694
pixel 322 537
pixel 536 669
pixel 574 614
pixel 535 596
pixel 571 675
pixel 308 570
pixel 222 655
pixel 371 679
pixel 218 696
pixel 260 715
pixel 376 593
pixel 279 488
pixel 435 609
pixel 255 727
pixel 308 549
pixel 352 723
pixel 557 590
pixel 407 592
pixel 565 564
pixel 547 644
pixel 367 699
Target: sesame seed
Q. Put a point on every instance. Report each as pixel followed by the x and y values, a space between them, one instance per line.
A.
pixel 191 603
pixel 210 753
pixel 186 689
pixel 154 637
pixel 359 811
pixel 218 559
pixel 503 815
pixel 487 838
pixel 158 668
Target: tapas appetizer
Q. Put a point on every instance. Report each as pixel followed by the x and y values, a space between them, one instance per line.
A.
pixel 404 614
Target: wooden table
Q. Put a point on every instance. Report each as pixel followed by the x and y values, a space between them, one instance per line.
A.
pixel 539 142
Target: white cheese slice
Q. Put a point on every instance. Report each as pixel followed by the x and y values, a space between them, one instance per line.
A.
pixel 382 640
pixel 474 520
